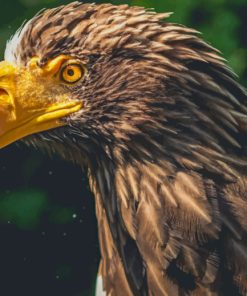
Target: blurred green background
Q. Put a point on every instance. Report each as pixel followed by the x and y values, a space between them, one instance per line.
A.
pixel 48 234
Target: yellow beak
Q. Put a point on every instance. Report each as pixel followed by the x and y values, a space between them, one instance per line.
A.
pixel 31 101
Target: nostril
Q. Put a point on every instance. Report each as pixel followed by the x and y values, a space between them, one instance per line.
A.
pixel 3 92
pixel 5 101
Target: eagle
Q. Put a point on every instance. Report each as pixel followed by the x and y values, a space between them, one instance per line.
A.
pixel 159 123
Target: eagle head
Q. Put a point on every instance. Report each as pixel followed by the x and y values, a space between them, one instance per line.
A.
pixel 98 76
pixel 88 73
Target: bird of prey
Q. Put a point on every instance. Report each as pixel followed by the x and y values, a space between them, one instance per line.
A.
pixel 159 122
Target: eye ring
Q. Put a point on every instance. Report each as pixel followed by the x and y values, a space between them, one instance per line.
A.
pixel 72 73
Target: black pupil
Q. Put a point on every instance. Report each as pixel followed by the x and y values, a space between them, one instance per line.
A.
pixel 70 72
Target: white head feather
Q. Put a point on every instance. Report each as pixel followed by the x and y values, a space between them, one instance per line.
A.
pixel 11 53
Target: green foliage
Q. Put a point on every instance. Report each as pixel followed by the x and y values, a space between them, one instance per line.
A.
pixel 23 208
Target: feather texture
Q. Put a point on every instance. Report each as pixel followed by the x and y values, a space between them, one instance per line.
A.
pixel 163 135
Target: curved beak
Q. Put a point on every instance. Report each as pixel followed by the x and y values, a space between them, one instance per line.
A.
pixel 25 105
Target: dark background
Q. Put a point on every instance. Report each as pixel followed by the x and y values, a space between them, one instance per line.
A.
pixel 48 234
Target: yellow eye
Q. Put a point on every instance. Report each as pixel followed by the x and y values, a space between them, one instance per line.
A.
pixel 72 73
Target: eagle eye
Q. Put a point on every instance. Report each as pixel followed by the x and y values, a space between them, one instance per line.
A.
pixel 72 73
